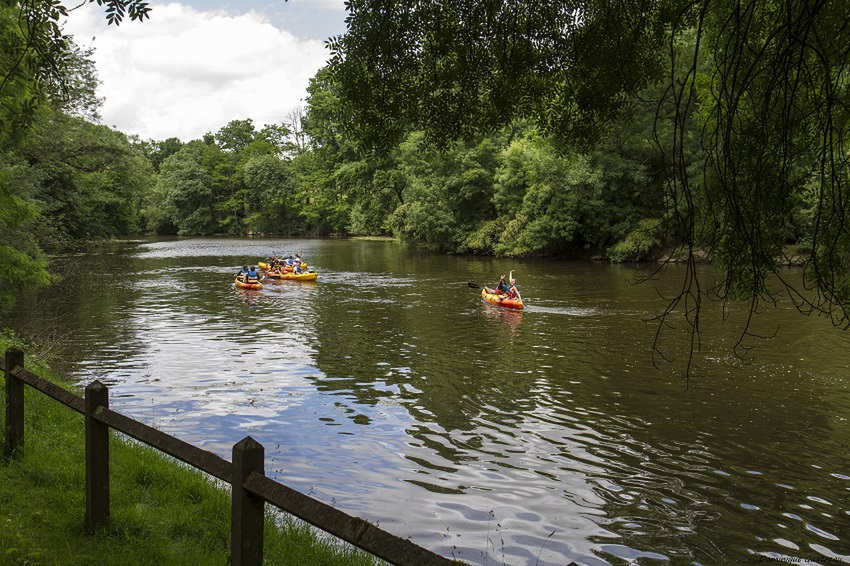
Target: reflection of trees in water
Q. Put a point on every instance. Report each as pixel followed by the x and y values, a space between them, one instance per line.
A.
pixel 92 291
pixel 557 410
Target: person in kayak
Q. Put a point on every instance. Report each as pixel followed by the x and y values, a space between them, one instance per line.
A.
pixel 243 273
pixel 253 276
pixel 501 288
pixel 513 292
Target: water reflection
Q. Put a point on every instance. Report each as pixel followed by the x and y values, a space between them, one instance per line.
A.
pixel 492 435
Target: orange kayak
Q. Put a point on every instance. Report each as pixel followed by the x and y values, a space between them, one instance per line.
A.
pixel 501 300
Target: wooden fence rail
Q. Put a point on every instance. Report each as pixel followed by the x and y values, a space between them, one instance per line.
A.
pixel 250 488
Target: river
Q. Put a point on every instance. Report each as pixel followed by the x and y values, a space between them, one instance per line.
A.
pixel 390 390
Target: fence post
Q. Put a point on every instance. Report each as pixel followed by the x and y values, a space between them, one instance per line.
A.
pixel 247 510
pixel 13 444
pixel 97 457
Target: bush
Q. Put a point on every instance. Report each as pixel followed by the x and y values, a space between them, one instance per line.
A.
pixel 640 244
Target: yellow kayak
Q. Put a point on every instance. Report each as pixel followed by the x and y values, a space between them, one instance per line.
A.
pixel 243 285
pixel 307 276
pixel 266 267
pixel 501 300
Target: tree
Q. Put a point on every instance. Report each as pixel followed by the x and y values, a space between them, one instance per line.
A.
pixel 277 136
pixel 293 121
pixel 236 135
pixel 267 179
pixel 158 151
pixel 39 66
pixel 88 180
pixel 753 112
pixel 187 188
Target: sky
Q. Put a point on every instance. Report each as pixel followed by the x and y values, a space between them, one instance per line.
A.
pixel 196 65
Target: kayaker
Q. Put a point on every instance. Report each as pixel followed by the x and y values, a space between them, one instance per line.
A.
pixel 501 288
pixel 243 273
pixel 513 292
pixel 253 276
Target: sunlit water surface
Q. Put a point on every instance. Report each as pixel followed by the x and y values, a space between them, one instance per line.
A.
pixel 390 390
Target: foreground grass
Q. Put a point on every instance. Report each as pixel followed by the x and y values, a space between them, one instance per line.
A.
pixel 162 512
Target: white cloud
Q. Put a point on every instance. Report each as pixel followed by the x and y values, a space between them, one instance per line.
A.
pixel 186 72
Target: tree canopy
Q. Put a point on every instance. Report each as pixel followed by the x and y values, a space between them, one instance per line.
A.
pixel 43 73
pixel 750 98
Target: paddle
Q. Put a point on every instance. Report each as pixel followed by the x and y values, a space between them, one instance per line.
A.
pixel 474 286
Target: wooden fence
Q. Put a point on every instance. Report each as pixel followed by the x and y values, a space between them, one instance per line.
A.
pixel 250 488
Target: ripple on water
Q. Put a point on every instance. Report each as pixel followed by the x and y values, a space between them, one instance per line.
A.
pixel 560 441
pixel 786 543
pixel 821 532
pixel 631 554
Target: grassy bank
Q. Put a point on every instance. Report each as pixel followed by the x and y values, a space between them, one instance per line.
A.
pixel 162 512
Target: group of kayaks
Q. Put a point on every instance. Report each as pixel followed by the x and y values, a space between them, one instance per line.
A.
pixel 286 271
pixel 283 271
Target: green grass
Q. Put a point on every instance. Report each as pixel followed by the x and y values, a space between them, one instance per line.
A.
pixel 161 511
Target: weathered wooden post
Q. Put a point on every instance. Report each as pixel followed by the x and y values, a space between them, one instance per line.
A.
pixel 13 444
pixel 248 510
pixel 97 457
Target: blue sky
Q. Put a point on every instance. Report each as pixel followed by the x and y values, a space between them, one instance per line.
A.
pixel 198 64
pixel 316 19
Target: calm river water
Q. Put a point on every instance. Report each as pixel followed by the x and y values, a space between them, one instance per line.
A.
pixel 390 390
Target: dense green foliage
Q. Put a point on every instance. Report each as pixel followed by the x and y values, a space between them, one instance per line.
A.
pixel 53 186
pixel 750 101
pixel 632 130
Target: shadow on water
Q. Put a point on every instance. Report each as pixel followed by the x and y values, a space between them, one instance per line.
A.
pixel 390 389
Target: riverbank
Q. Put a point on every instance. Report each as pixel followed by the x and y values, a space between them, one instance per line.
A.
pixel 162 512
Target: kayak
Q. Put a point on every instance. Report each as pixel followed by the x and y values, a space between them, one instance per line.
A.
pixel 243 285
pixel 306 276
pixel 265 266
pixel 501 300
